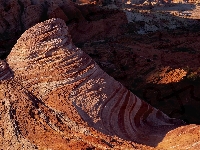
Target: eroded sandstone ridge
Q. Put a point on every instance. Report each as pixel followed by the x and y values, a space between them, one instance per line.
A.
pixel 59 98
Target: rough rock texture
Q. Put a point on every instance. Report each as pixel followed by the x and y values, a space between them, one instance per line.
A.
pixel 156 21
pixel 185 137
pixel 29 17
pixel 161 68
pixel 17 16
pixel 55 11
pixel 96 28
pixel 58 93
pixel 5 72
pixel 10 13
pixel 28 123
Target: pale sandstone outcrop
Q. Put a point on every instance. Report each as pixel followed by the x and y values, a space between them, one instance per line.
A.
pixel 59 94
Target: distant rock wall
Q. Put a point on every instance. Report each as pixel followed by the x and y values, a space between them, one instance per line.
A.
pixel 152 22
pixel 84 21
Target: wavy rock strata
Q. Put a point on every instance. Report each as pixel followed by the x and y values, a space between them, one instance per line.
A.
pixel 58 93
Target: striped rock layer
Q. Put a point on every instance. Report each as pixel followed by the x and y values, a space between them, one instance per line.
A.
pixel 60 94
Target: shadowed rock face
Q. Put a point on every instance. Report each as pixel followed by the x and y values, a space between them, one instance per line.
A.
pixel 58 93
pixel 5 72
pixel 19 15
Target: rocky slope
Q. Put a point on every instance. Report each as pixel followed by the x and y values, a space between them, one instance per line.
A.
pixel 85 22
pixel 59 94
pixel 59 99
pixel 162 68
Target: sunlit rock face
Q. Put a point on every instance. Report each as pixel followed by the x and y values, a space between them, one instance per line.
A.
pixel 184 137
pixel 48 64
pixel 58 93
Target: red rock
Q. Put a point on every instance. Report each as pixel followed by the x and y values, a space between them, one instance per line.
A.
pixel 5 72
pixel 60 94
pixel 72 12
pixel 108 27
pixel 10 15
pixel 185 137
pixel 17 16
pixel 56 12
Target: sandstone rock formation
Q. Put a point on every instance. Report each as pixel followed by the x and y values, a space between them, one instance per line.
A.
pixel 185 137
pixel 58 93
pixel 17 16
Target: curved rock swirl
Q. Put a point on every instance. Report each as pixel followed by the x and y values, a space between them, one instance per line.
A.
pixel 60 82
